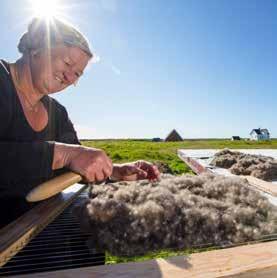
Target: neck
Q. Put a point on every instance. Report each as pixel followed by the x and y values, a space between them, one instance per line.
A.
pixel 22 78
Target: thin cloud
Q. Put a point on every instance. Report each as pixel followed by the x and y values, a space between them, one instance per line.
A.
pixel 116 70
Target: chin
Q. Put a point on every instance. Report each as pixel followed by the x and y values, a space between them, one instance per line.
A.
pixel 53 91
pixel 47 90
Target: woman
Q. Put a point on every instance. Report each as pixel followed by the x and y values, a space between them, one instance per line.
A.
pixel 37 138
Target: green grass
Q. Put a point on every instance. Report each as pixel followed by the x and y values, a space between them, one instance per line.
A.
pixel 130 150
pixel 153 255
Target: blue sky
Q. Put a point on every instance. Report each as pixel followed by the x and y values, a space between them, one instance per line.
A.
pixel 206 68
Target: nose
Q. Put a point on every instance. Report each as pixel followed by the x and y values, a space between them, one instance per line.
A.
pixel 70 76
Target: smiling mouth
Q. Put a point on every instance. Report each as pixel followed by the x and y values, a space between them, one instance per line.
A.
pixel 60 80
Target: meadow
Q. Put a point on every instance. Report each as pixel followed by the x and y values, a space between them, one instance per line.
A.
pixel 122 151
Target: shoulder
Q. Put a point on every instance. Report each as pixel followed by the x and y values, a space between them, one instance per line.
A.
pixel 4 68
pixel 65 131
pixel 7 95
pixel 53 102
pixel 55 106
pixel 5 76
pixel 6 84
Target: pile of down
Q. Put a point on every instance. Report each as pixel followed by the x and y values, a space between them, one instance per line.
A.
pixel 262 167
pixel 177 212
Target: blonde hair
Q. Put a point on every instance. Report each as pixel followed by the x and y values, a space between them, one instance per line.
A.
pixel 44 33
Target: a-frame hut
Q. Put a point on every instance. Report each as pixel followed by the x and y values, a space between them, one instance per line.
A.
pixel 173 136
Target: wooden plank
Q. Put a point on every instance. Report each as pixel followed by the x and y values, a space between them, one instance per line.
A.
pixel 270 272
pixel 17 234
pixel 254 259
pixel 265 186
pixel 196 167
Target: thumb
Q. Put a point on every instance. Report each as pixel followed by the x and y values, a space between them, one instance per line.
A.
pixel 141 174
pixel 135 173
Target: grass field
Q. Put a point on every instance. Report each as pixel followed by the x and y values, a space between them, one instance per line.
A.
pixel 129 150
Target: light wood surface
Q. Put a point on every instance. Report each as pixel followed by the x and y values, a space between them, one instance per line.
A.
pixel 265 186
pixel 270 272
pixel 196 167
pixel 252 260
pixel 17 234
pixel 53 187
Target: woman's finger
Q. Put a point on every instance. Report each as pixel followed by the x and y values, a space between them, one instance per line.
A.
pixel 108 164
pixel 141 174
pixel 90 177
pixel 156 171
pixel 150 172
pixel 107 172
pixel 130 178
pixel 99 176
pixel 135 174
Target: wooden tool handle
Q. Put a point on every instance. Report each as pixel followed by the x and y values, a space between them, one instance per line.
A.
pixel 52 187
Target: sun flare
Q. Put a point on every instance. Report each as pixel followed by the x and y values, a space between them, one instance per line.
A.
pixel 46 8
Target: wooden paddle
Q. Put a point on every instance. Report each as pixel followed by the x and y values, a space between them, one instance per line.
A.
pixel 53 187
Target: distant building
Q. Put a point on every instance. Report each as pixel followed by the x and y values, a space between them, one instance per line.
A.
pixel 235 138
pixel 260 134
pixel 173 136
pixel 157 139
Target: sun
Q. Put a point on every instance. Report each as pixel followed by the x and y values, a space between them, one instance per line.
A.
pixel 46 8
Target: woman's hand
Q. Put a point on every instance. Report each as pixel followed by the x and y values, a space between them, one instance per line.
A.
pixel 137 170
pixel 92 164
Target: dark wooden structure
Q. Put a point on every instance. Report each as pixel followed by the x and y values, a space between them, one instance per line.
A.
pixel 173 136
pixel 235 138
pixel 156 139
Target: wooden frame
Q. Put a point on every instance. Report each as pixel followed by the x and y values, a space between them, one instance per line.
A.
pixel 17 234
pixel 257 260
pixel 197 168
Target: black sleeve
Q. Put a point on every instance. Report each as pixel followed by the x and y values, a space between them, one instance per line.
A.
pixel 23 161
pixel 19 160
pixel 66 131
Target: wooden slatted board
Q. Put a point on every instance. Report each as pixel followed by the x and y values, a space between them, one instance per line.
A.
pixel 255 260
pixel 17 234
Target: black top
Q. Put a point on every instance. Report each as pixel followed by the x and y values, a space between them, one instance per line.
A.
pixel 26 155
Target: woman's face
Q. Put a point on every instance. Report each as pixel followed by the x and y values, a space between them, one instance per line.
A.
pixel 55 69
